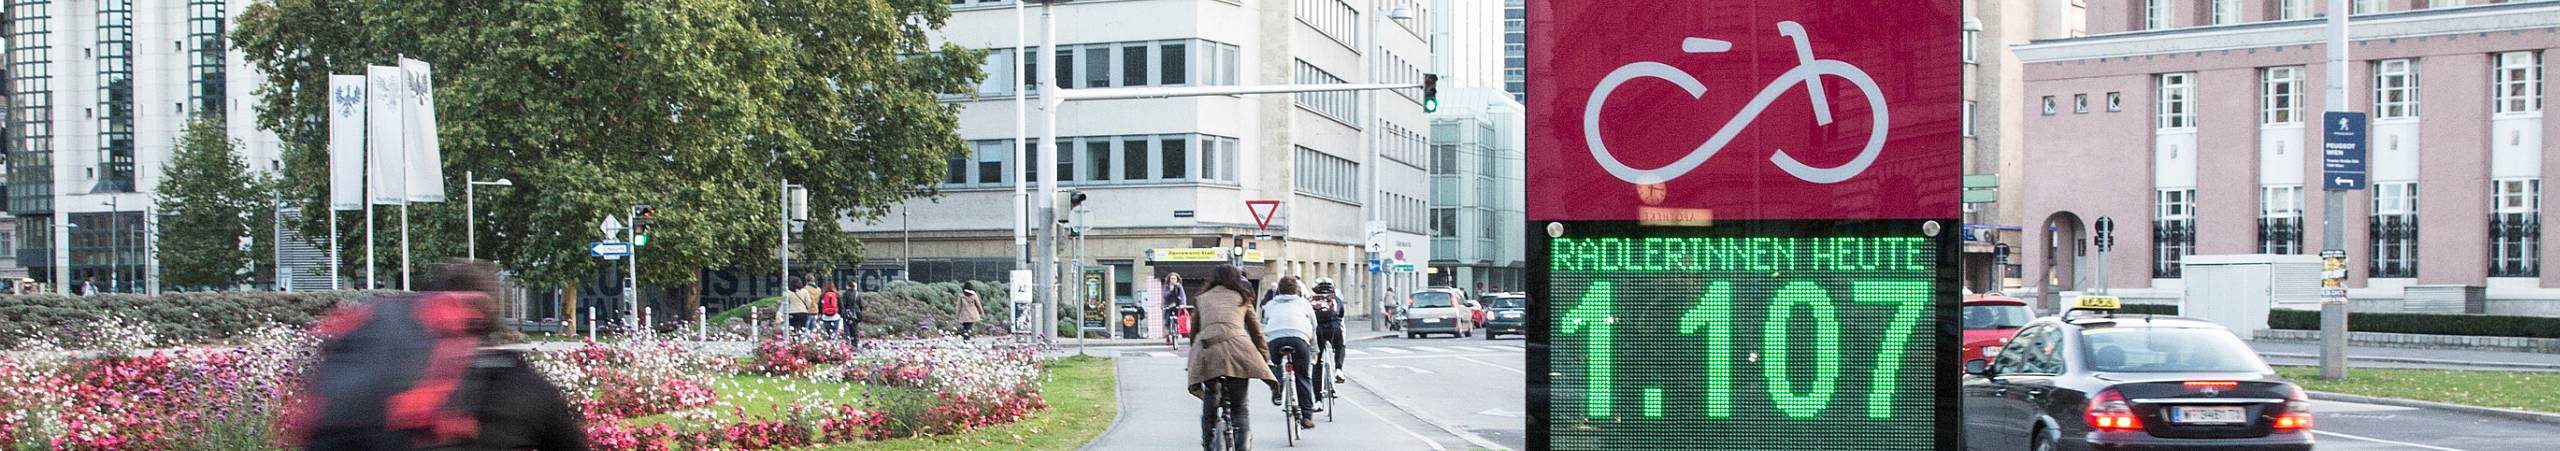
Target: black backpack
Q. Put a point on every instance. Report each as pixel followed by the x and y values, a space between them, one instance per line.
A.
pixel 393 374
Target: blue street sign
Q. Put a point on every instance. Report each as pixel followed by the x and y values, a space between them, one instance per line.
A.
pixel 2342 150
pixel 1373 265
pixel 609 249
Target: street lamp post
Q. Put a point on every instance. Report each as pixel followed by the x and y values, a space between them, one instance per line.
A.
pixel 471 211
pixel 115 242
pixel 1369 137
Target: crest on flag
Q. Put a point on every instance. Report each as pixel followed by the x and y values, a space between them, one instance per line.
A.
pixel 349 98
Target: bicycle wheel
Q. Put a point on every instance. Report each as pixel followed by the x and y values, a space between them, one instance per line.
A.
pixel 1218 428
pixel 1324 376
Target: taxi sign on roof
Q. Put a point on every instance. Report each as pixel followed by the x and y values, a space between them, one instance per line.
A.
pixel 2096 303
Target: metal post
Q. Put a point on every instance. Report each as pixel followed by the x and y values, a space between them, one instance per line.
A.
pixel 334 260
pixel 470 216
pixel 404 246
pixel 115 244
pixel 2333 315
pixel 1021 148
pixel 631 234
pixel 1080 307
pixel 785 199
pixel 1369 138
pixel 907 237
pixel 1044 271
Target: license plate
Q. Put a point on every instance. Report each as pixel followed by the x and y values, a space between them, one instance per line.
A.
pixel 1433 320
pixel 2209 415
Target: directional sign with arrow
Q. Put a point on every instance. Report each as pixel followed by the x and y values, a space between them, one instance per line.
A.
pixel 2342 150
pixel 609 249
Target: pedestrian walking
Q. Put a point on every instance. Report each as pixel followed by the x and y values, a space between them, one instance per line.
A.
pixel 971 311
pixel 850 307
pixel 1227 350
pixel 827 315
pixel 794 310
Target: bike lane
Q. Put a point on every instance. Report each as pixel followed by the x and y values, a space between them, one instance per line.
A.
pixel 1157 412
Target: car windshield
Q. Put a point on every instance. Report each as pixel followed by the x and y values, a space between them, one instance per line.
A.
pixel 1431 299
pixel 1996 316
pixel 2167 350
pixel 1510 303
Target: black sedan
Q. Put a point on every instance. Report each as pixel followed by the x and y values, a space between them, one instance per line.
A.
pixel 2130 383
pixel 1509 312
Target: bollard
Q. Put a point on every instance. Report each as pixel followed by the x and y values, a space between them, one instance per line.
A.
pixel 591 321
pixel 702 324
pixel 755 323
pixel 649 319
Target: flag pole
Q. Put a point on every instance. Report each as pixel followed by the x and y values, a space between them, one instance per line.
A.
pixel 404 196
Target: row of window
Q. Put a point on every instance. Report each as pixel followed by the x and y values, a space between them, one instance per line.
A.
pixel 1402 145
pixel 1097 160
pixel 2515 230
pixel 1324 175
pixel 2516 84
pixel 1406 214
pixel 1175 62
pixel 1333 18
pixel 1340 105
pixel 2162 14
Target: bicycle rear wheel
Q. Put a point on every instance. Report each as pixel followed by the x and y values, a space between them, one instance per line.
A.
pixel 1289 404
pixel 1324 376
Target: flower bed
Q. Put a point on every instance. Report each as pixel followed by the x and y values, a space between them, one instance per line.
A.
pixel 643 393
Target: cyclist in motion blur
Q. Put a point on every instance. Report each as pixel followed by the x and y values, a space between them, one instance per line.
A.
pixel 1329 308
pixel 1227 350
pixel 1288 321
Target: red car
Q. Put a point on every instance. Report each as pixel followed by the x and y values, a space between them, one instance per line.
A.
pixel 1989 320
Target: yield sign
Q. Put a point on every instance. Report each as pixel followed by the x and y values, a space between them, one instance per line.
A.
pixel 1263 210
pixel 610 227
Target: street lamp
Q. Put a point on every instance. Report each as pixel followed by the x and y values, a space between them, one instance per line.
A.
pixel 471 211
pixel 1369 137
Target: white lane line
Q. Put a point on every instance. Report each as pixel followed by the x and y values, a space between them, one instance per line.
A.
pixel 2386 442
pixel 1394 351
pixel 1485 349
pixel 1382 419
pixel 1429 349
pixel 1491 364
pixel 1161 354
pixel 1354 352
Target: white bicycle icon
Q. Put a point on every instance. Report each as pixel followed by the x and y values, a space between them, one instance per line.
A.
pixel 1808 72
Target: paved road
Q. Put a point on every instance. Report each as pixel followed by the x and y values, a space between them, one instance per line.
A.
pixel 2343 426
pixel 2285 353
pixel 1156 413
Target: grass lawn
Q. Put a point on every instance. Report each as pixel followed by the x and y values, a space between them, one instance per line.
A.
pixel 2518 390
pixel 1083 399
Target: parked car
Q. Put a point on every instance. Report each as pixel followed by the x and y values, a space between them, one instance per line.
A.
pixel 2106 382
pixel 1438 311
pixel 1989 320
pixel 1509 312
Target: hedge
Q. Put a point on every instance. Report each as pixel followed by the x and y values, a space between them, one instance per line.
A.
pixel 2425 323
pixel 180 318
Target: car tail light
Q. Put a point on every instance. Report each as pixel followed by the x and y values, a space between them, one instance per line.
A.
pixel 2110 412
pixel 2297 412
pixel 2217 385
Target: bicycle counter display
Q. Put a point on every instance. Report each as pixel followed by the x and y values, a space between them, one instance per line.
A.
pixel 1744 225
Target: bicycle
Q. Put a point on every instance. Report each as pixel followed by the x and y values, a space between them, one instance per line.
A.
pixel 1808 72
pixel 1291 414
pixel 1324 393
pixel 1181 327
pixel 1225 434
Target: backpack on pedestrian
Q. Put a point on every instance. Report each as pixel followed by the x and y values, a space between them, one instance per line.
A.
pixel 827 304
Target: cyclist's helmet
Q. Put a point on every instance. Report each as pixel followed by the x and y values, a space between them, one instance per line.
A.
pixel 1324 285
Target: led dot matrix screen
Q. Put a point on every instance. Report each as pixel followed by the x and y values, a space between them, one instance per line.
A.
pixel 1769 335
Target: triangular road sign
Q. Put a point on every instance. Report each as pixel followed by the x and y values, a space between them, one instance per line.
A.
pixel 1263 211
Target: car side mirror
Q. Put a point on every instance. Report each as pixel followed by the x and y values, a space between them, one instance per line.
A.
pixel 1977 367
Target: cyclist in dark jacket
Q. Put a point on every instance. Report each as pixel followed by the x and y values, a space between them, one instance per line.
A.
pixel 1329 324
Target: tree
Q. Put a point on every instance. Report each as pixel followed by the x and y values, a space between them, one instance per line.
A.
pixel 697 107
pixel 209 205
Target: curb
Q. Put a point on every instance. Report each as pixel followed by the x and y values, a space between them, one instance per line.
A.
pixel 1117 404
pixel 2510 414
pixel 2539 366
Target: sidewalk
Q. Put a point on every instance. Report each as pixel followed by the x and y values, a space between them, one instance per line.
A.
pixel 2453 359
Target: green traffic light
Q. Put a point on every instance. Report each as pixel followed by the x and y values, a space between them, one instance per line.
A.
pixel 640 240
pixel 1431 105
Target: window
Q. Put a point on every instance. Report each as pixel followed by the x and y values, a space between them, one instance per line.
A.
pixel 1444 222
pixel 2048 105
pixel 1133 157
pixel 2115 102
pixel 1097 66
pixel 2280 219
pixel 2370 6
pixel 956 170
pixel 1968 118
pixel 1324 175
pixel 2173 231
pixel 2395 229
pixel 1066 161
pixel 991 156
pixel 1030 69
pixel 1332 18
pixel 1066 68
pixel 2519 82
pixel 1173 65
pixel 2036 350
pixel 1174 152
pixel 2280 96
pixel 1339 105
pixel 2177 101
pixel 1133 64
pixel 1972 39
pixel 1211 161
pixel 2443 3
pixel 2395 89
pixel 1097 155
pixel 2079 104
pixel 2226 12
pixel 2292 9
pixel 2158 14
pixel 2515 227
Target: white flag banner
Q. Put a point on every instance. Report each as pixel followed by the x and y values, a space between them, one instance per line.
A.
pixel 346 142
pixel 426 162
pixel 384 119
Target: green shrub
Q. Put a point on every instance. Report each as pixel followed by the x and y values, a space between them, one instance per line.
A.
pixel 181 318
pixel 2425 323
pixel 896 311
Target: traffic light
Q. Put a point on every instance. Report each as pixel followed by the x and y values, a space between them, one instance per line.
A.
pixel 1431 93
pixel 1068 200
pixel 640 216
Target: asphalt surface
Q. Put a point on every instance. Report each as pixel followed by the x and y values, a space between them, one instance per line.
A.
pixel 1157 413
pixel 2343 426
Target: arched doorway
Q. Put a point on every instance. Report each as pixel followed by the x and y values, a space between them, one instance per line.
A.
pixel 2066 247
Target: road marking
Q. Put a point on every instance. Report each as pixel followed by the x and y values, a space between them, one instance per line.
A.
pixel 1504 368
pixel 1407 368
pixel 2381 441
pixel 1429 349
pixel 1499 412
pixel 1382 419
pixel 1394 351
pixel 1354 352
pixel 1162 354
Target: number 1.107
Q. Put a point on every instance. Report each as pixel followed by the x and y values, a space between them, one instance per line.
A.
pixel 1711 318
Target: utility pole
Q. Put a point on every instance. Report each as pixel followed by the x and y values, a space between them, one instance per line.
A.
pixel 2333 312
pixel 1045 270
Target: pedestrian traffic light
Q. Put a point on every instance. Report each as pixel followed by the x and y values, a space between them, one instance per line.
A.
pixel 1067 201
pixel 640 216
pixel 1430 93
